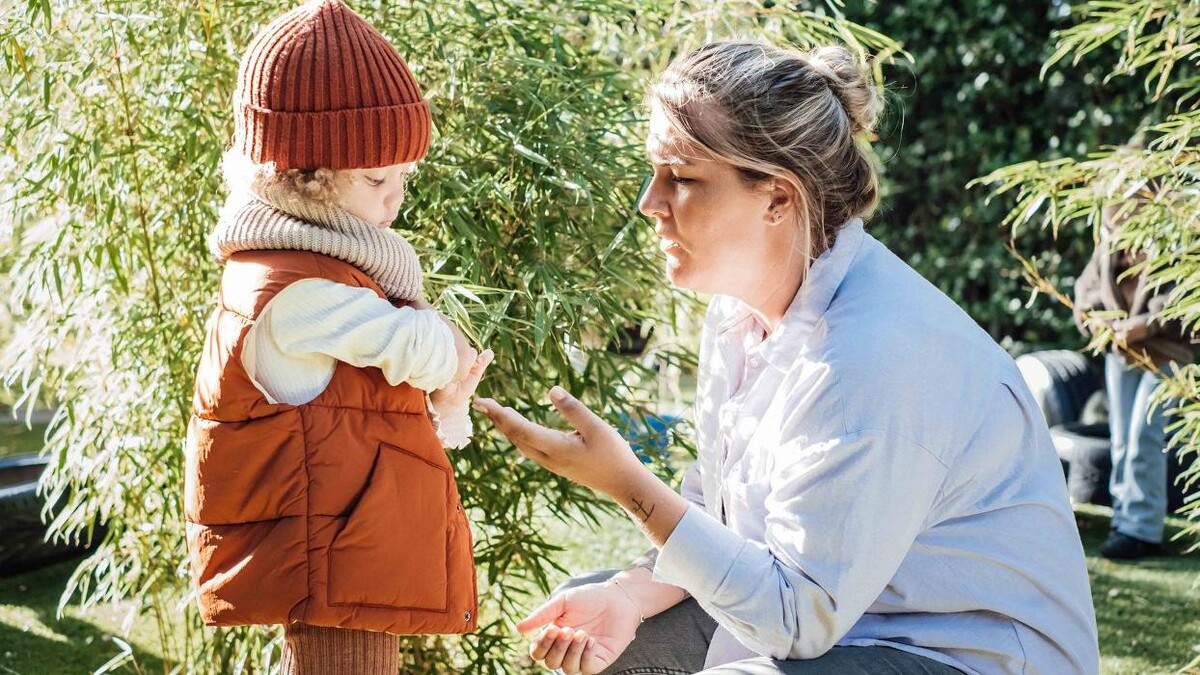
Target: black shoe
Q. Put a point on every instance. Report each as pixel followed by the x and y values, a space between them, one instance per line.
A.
pixel 1120 546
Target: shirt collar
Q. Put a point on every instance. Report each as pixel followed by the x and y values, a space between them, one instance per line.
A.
pixel 811 301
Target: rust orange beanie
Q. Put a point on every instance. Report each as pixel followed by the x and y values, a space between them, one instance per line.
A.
pixel 319 87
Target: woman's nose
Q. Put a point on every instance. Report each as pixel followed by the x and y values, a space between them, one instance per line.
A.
pixel 652 205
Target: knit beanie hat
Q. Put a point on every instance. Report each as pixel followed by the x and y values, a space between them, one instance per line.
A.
pixel 319 87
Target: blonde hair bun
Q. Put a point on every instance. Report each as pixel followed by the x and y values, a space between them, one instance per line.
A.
pixel 851 83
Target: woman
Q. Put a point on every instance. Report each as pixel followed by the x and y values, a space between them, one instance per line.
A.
pixel 876 490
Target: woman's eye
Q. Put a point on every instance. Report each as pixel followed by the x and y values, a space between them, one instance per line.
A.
pixel 680 179
pixel 374 182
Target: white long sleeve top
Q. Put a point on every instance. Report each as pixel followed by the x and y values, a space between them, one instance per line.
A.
pixel 293 347
pixel 875 472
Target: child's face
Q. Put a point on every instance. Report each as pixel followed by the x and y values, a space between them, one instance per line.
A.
pixel 375 195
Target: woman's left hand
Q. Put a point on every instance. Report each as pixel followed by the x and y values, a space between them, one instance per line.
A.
pixel 594 455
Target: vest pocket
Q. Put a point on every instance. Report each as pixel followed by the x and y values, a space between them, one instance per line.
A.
pixel 392 550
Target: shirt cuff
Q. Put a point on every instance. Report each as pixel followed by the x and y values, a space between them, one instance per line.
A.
pixel 699 554
pixel 453 429
pixel 439 334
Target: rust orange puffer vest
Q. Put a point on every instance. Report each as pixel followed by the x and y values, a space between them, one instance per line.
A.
pixel 340 512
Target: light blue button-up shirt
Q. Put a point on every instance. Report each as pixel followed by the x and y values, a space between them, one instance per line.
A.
pixel 875 472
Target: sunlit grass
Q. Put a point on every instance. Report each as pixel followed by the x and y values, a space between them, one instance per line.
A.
pixel 34 641
pixel 16 439
pixel 1148 612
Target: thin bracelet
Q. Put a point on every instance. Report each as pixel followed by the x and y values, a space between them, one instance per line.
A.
pixel 641 617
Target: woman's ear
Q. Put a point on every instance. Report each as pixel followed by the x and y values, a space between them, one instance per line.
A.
pixel 786 202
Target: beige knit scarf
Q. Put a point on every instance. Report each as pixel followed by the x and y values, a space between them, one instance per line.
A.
pixel 267 220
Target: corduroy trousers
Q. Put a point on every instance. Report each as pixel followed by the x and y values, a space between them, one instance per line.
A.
pixel 316 650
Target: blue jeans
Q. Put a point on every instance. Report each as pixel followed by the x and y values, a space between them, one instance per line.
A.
pixel 1139 464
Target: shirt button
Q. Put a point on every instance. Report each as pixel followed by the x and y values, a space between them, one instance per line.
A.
pixel 466 616
pixel 458 507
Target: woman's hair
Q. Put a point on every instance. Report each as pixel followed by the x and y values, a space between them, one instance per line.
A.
pixel 318 186
pixel 782 114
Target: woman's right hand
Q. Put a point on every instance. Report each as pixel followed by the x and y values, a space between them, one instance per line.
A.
pixel 586 628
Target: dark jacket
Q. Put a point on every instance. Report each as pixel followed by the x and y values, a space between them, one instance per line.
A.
pixel 1098 288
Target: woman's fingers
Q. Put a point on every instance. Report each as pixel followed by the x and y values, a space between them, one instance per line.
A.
pixel 561 647
pixel 574 656
pixel 554 656
pixel 524 434
pixel 576 413
pixel 548 612
pixel 541 646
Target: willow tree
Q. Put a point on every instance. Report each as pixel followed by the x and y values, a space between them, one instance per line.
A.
pixel 1157 41
pixel 114 116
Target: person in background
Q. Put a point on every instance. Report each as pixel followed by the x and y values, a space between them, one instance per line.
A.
pixel 1139 462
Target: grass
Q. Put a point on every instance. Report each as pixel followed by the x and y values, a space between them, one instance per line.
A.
pixel 1148 613
pixel 15 439
pixel 34 641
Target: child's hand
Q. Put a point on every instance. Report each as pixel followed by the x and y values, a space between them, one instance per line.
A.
pixel 461 389
pixel 467 356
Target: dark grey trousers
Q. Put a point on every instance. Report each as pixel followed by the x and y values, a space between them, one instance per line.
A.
pixel 675 642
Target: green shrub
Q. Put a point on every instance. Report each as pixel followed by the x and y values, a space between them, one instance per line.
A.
pixel 970 102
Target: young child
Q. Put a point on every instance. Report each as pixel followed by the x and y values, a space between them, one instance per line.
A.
pixel 319 494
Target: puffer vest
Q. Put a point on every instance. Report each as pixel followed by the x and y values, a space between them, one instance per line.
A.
pixel 339 512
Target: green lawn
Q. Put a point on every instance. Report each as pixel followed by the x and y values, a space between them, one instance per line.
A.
pixel 15 439
pixel 33 641
pixel 1148 613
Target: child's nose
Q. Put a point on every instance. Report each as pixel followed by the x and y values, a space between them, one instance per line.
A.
pixel 395 199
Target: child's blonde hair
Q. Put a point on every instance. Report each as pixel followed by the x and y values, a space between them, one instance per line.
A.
pixel 312 186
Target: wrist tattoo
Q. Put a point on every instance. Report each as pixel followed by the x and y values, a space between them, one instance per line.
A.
pixel 640 509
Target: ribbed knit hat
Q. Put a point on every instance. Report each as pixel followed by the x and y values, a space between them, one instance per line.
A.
pixel 319 87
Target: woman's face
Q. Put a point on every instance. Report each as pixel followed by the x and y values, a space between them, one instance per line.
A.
pixel 375 195
pixel 720 234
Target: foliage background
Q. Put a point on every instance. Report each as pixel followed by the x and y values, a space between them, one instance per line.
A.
pixel 114 114
pixel 113 117
pixel 971 101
